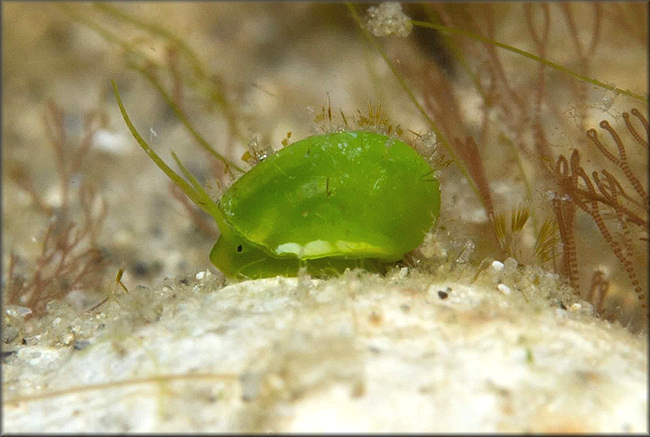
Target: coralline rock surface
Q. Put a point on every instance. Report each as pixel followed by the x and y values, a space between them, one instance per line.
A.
pixel 509 351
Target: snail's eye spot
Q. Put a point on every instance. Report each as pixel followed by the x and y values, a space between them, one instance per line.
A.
pixel 240 249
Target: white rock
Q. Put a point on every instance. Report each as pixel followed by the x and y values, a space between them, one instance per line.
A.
pixel 503 288
pixel 350 354
pixel 497 266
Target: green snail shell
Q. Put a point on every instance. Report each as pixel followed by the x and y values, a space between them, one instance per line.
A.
pixel 327 202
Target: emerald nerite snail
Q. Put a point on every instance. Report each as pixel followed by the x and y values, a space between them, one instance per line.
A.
pixel 326 203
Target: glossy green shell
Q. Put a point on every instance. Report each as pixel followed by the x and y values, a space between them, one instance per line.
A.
pixel 327 202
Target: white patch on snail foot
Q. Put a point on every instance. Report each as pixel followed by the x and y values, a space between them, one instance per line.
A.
pixel 322 248
pixel 314 247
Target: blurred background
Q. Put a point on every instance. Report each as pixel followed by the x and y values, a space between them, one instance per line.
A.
pixel 81 200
